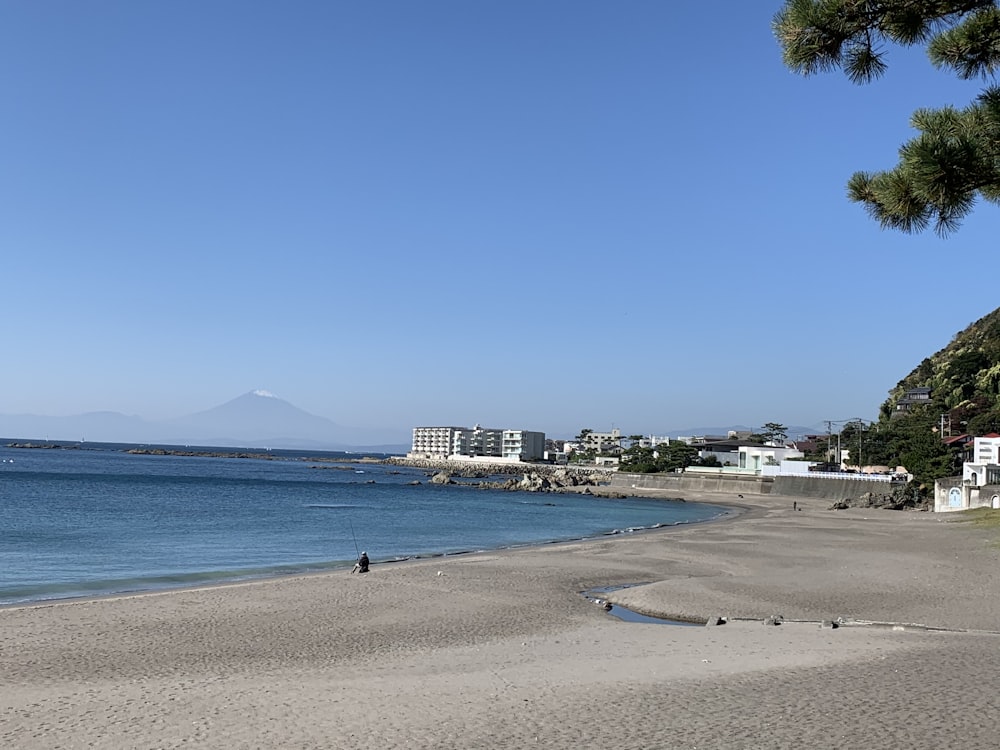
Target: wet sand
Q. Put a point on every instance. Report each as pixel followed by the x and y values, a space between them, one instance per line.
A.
pixel 501 650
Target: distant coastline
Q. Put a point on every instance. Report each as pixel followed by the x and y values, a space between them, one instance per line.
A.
pixel 282 454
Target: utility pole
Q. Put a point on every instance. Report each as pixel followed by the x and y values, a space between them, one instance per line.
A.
pixel 945 425
pixel 861 429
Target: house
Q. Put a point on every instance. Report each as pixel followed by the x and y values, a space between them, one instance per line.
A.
pixel 985 466
pixel 979 485
pixel 913 398
pixel 963 444
pixel 756 457
pixel 654 440
pixel 726 451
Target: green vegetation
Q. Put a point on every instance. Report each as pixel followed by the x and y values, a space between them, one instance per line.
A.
pixel 664 457
pixel 983 518
pixel 955 159
pixel 964 398
pixel 964 379
pixel 771 432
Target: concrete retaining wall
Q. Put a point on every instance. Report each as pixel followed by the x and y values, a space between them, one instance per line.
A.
pixel 795 486
pixel 832 489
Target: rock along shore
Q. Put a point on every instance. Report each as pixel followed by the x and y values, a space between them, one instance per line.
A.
pixel 523 477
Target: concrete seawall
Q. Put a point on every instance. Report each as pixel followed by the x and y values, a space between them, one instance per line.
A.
pixel 681 483
pixel 831 489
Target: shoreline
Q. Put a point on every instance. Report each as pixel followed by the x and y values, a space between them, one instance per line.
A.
pixel 499 649
pixel 728 513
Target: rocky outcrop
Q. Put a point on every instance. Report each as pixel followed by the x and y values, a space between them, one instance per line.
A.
pixel 898 499
pixel 524 477
pixel 559 480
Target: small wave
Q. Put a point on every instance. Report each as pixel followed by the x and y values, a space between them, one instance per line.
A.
pixel 331 506
pixel 40 593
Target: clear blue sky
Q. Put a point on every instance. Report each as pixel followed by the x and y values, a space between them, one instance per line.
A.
pixel 539 215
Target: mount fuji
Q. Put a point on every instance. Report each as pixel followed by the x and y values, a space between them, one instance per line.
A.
pixel 255 419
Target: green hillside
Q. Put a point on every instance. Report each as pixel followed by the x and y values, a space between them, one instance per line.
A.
pixel 964 379
pixel 960 395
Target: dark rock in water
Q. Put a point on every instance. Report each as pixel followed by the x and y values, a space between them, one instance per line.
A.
pixel 442 477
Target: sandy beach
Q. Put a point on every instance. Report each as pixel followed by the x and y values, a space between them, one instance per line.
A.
pixel 501 650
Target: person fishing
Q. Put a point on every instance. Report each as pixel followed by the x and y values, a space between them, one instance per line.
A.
pixel 361 566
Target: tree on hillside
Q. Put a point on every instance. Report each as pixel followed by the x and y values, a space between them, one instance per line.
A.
pixel 956 156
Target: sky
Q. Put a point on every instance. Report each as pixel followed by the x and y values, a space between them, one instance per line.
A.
pixel 546 216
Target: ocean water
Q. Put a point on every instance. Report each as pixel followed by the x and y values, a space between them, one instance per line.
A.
pixel 98 520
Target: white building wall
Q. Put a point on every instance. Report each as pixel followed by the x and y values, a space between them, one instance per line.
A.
pixel 986 450
pixel 479 441
pixel 755 457
pixel 439 443
pixel 654 440
pixel 523 444
pixel 432 442
pixel 600 441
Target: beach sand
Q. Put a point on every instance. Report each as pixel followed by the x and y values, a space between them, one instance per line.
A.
pixel 501 650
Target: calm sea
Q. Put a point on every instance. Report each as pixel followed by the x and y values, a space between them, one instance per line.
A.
pixel 97 520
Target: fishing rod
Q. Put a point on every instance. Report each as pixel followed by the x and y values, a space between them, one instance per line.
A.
pixel 357 550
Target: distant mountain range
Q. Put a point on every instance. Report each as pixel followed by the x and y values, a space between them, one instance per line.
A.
pixel 257 419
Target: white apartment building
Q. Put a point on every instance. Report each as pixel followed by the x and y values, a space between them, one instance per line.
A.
pixel 479 441
pixel 523 445
pixel 438 443
pixel 602 441
pixel 433 442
